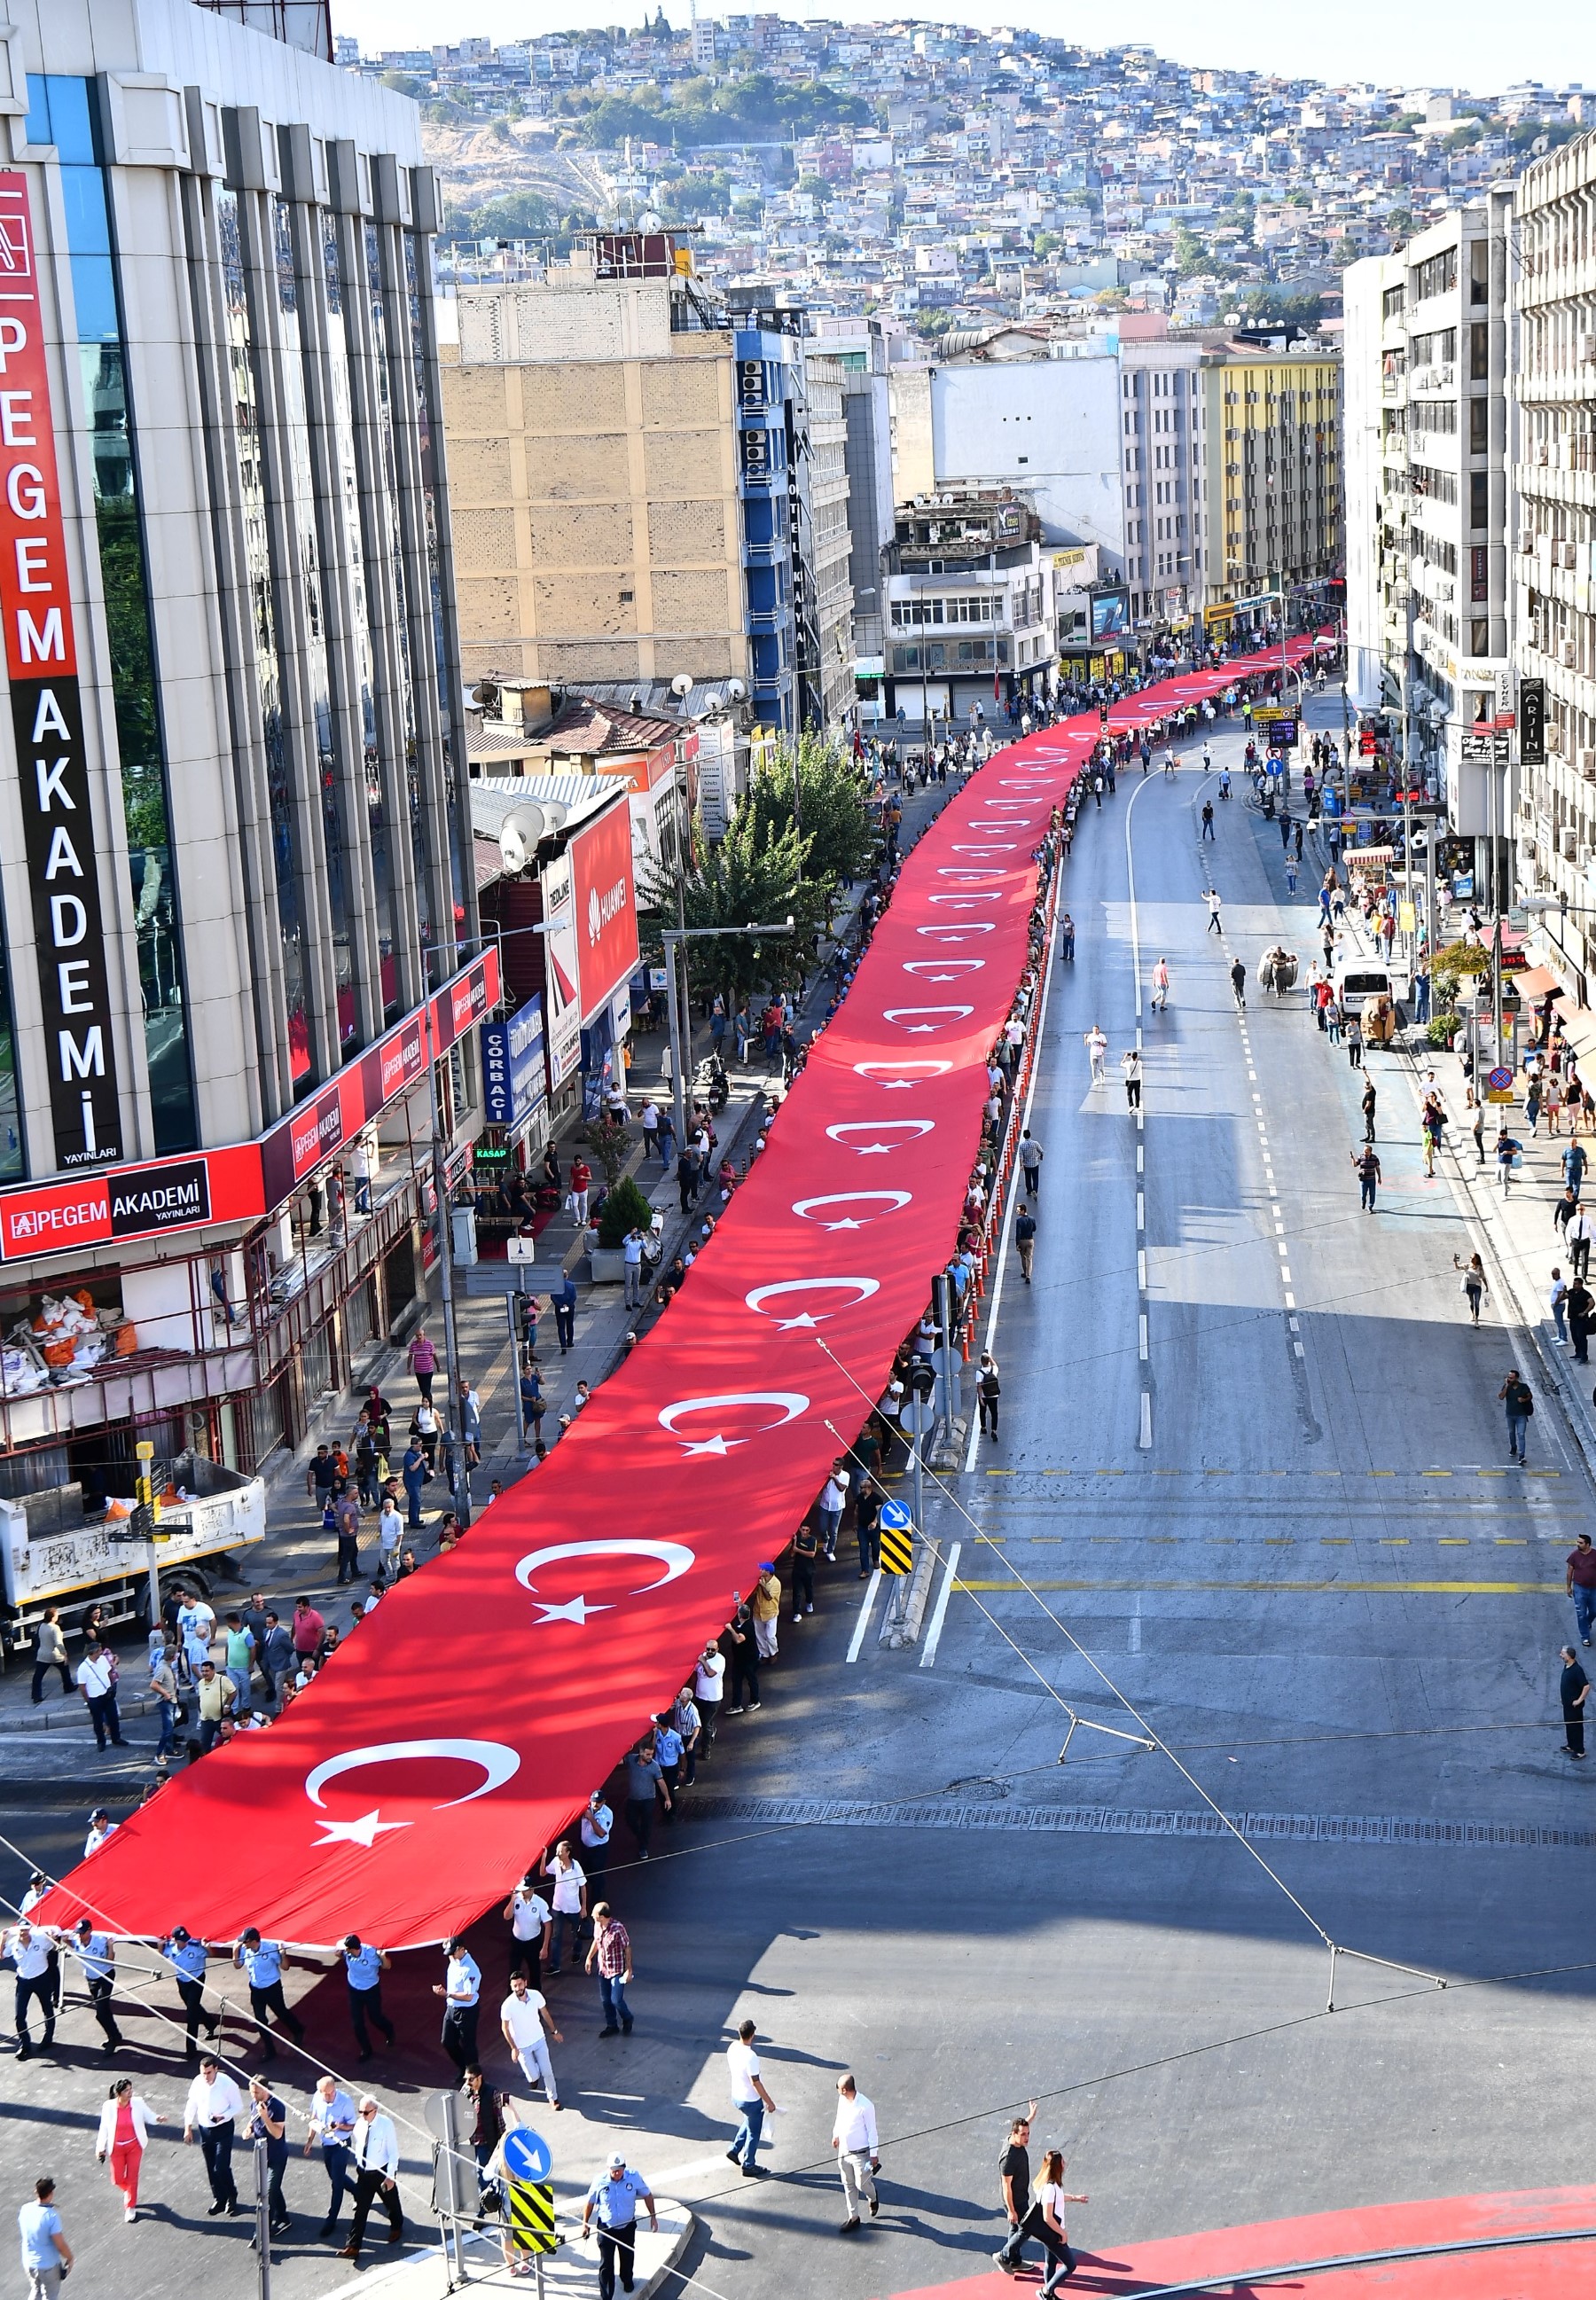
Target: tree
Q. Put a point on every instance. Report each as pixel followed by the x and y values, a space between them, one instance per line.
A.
pixel 833 807
pixel 755 876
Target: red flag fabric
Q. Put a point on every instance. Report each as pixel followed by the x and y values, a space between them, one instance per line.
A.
pixel 470 1718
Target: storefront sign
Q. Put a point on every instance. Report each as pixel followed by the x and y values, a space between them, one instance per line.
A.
pixel 1532 722
pixel 41 659
pixel 364 1088
pixel 151 1201
pixel 513 1076
pixel 561 974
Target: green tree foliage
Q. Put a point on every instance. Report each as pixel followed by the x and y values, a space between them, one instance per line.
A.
pixel 754 877
pixel 821 781
pixel 514 215
pixel 750 108
pixel 625 1208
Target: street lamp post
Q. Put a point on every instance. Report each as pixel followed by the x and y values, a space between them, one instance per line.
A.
pixel 671 937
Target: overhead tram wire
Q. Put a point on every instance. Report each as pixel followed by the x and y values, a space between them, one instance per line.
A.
pixel 1153 1741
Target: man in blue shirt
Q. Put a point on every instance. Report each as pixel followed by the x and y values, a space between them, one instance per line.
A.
pixel 264 1963
pixel 459 1989
pixel 98 1958
pixel 332 2123
pixel 46 2256
pixel 365 1965
pixel 187 1958
pixel 615 2196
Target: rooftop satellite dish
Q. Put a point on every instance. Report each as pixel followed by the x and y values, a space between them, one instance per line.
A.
pixel 735 691
pixel 518 835
pixel 682 684
pixel 485 694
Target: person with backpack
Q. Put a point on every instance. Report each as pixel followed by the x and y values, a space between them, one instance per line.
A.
pixel 988 1390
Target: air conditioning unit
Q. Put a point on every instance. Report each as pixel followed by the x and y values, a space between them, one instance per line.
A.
pixel 1527 850
pixel 1570 555
pixel 1568 655
pixel 1587 351
pixel 1554 739
pixel 1569 842
pixel 1527 809
pixel 1587 765
pixel 1526 544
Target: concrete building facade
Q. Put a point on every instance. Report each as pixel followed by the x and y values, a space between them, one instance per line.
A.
pixel 1427 420
pixel 592 431
pixel 1271 488
pixel 1554 563
pixel 1163 411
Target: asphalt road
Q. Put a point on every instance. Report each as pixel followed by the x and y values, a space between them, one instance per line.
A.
pixel 1303 1567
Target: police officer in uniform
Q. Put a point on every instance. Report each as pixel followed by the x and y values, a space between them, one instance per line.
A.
pixel 365 1965
pixel 97 1957
pixel 263 1963
pixel 187 1958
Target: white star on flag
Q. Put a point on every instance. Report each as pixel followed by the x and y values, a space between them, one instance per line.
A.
pixel 364 1832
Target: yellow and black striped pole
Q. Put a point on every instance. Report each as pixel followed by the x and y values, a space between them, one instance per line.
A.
pixel 531 2215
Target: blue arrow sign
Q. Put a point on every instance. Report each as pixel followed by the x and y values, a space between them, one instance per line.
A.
pixel 895 1518
pixel 526 2153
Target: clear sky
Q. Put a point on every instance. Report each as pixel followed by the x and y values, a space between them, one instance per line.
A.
pixel 1476 46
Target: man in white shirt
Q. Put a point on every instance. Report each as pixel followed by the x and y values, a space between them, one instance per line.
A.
pixel 529 1915
pixel 569 1884
pixel 390 1534
pixel 100 1826
pixel 832 1501
pixel 708 1687
pixel 212 2110
pixel 97 1958
pixel 853 2137
pixel 29 1947
pixel 461 1989
pixel 96 1682
pixel 375 2149
pixel 523 2017
pixel 749 2098
pixel 598 1825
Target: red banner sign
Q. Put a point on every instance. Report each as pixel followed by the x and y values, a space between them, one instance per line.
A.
pixel 401 1797
pixel 606 907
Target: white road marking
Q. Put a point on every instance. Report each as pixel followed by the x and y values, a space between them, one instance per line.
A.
pixel 1146 1437
pixel 940 1610
pixel 1134 1639
pixel 863 1622
pixel 1142 1327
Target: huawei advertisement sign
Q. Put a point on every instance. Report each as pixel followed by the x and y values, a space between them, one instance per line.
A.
pixel 606 908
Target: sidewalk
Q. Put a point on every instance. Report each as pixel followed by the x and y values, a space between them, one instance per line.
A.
pixel 567 2269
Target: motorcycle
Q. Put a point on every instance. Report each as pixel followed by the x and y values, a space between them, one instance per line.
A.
pixel 709 1082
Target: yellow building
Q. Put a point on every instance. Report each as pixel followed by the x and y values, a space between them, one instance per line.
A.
pixel 1271 485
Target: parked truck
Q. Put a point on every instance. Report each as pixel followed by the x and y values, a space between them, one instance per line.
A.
pixel 52 1554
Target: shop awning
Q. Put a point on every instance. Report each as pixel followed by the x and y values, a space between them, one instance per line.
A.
pixel 1578 1026
pixel 1536 981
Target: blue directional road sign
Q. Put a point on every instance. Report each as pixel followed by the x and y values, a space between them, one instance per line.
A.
pixel 526 2153
pixel 895 1518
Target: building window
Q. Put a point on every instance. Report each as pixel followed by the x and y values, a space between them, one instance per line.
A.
pixel 1437 276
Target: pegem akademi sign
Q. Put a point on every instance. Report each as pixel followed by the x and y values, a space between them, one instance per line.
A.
pixel 41 662
pixel 245 1179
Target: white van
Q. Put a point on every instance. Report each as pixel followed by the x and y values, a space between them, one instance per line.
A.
pixel 1358 978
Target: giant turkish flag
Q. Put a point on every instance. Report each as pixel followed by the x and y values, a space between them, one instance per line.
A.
pixel 461 1727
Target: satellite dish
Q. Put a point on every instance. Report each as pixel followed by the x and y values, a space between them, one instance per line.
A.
pixel 485 694
pixel 682 684
pixel 518 835
pixel 735 691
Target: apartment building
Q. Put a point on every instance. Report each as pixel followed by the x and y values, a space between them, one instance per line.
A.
pixel 1162 416
pixel 1270 423
pixel 826 486
pixel 860 348
pixel 1554 564
pixel 240 926
pixel 970 613
pixel 591 423
pixel 1428 456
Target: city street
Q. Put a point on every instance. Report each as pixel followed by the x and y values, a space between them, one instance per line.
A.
pixel 1306 1562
